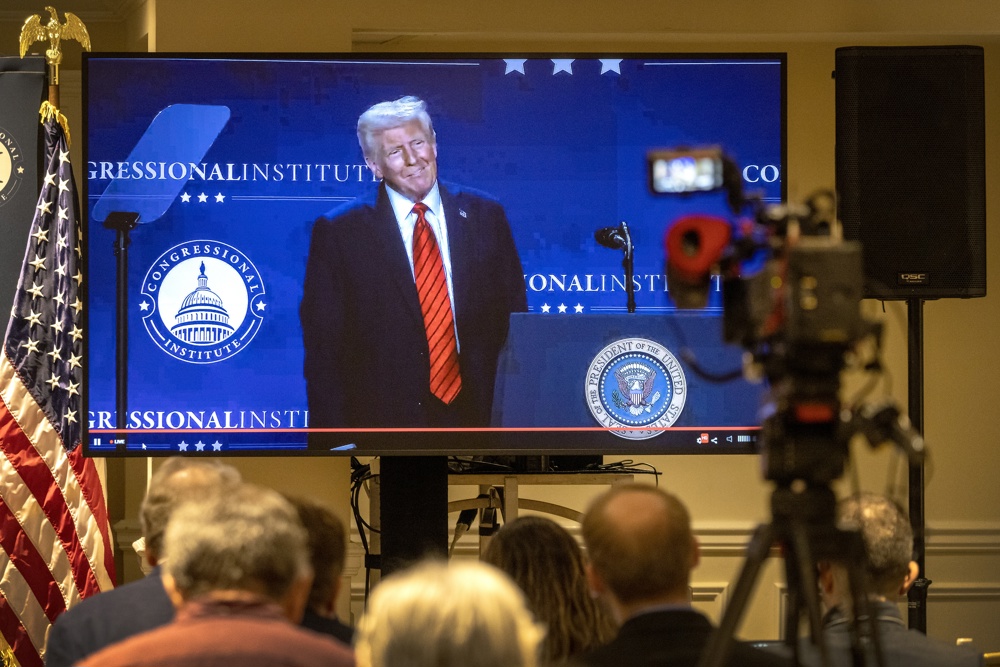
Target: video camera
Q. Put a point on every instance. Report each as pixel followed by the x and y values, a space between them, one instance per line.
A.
pixel 792 290
pixel 791 294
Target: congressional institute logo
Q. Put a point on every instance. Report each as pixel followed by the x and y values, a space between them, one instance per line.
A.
pixel 202 301
pixel 636 387
pixel 11 166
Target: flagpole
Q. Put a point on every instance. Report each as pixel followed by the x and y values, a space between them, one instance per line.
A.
pixel 57 545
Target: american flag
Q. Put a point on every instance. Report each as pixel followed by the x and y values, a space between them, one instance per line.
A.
pixel 55 544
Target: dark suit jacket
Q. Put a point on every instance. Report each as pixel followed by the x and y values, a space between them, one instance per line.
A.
pixel 327 626
pixel 366 357
pixel 107 618
pixel 674 637
pixel 900 647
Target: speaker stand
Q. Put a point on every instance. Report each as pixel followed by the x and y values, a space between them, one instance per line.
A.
pixel 917 595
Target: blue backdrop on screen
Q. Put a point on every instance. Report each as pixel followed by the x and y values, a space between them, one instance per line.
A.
pixel 561 143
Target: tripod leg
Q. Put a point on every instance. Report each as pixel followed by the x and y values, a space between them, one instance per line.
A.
pixel 719 644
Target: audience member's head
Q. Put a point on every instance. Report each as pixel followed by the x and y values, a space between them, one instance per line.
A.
pixel 548 565
pixel 179 480
pixel 640 547
pixel 888 540
pixel 436 615
pixel 327 542
pixel 247 541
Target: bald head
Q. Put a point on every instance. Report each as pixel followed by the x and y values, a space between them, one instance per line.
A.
pixel 640 543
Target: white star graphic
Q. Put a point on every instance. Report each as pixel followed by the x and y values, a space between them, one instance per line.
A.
pixel 514 65
pixel 220 197
pixel 562 65
pixel 63 213
pixel 199 446
pixel 217 446
pixel 78 277
pixel 77 305
pixel 64 157
pixel 34 318
pixel 36 290
pixel 61 270
pixel 73 388
pixel 578 308
pixel 57 325
pixel 44 207
pixel 71 416
pixel 53 382
pixel 144 306
pixel 32 345
pixel 55 354
pixel 76 333
pixel 183 446
pixel 74 360
pixel 63 185
pixel 202 198
pixel 546 307
pixel 185 197
pixel 20 170
pixel 611 65
pixel 260 305
pixel 50 179
pixel 562 307
pixel 39 263
pixel 42 235
pixel 59 298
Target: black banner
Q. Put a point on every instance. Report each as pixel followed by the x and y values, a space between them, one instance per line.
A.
pixel 22 85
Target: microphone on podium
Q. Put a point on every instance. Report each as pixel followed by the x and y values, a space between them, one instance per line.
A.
pixel 616 238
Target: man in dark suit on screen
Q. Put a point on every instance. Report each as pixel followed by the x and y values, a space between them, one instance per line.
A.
pixel 408 293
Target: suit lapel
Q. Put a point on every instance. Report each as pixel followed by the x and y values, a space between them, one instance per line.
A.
pixel 457 219
pixel 388 244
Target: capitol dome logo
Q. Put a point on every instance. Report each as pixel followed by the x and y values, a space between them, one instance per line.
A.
pixel 635 387
pixel 202 301
pixel 11 166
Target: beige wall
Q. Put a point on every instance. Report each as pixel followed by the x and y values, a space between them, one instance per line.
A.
pixel 725 494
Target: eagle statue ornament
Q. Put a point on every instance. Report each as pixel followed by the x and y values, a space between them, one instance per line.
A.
pixel 35 31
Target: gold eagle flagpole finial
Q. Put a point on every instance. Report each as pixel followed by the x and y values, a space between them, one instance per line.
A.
pixel 35 31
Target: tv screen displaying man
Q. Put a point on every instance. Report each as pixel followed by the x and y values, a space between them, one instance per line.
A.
pixel 408 292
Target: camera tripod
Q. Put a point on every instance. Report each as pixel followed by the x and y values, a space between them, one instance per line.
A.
pixel 803 527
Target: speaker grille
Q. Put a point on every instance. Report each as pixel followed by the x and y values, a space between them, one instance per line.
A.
pixel 911 167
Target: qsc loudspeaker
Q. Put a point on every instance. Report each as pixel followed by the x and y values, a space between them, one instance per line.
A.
pixel 911 167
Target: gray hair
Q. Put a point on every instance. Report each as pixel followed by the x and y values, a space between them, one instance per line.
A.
pixel 387 115
pixel 466 614
pixel 887 534
pixel 247 540
pixel 179 480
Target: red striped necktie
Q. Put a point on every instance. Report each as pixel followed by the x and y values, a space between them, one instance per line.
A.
pixel 432 289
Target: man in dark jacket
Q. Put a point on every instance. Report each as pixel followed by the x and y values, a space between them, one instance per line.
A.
pixel 642 551
pixel 888 540
pixel 141 605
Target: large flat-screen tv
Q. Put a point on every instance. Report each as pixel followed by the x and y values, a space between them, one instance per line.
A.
pixel 269 301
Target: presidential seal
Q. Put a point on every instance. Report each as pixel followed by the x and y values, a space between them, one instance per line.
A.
pixel 11 166
pixel 636 388
pixel 202 301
